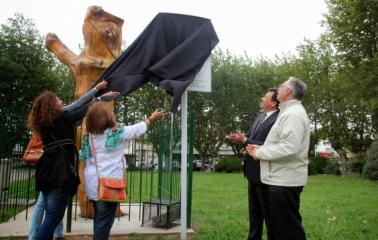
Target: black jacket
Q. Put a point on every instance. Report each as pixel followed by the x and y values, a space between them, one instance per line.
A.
pixel 169 53
pixel 257 136
pixel 57 166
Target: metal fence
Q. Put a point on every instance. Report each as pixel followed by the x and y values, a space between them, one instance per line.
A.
pixel 153 170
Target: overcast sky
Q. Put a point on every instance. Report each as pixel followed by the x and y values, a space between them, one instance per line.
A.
pixel 259 27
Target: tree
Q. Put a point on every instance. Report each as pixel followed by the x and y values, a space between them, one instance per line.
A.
pixel 238 83
pixel 26 69
pixel 336 111
pixel 353 28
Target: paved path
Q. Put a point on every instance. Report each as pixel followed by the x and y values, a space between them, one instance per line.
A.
pixel 81 226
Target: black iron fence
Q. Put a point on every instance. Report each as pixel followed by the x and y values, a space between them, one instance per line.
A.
pixel 153 169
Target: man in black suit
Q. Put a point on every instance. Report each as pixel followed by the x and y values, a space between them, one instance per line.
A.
pixel 257 135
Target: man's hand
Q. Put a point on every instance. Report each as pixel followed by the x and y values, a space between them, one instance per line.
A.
pixel 251 150
pixel 236 137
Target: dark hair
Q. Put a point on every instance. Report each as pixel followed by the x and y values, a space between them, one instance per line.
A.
pixel 44 112
pixel 274 96
pixel 99 117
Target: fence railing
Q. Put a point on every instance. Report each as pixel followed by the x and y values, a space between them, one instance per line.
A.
pixel 153 170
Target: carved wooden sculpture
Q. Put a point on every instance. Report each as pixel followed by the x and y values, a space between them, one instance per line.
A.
pixel 102 44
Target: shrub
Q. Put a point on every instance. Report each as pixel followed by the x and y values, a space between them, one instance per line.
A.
pixel 229 164
pixel 333 166
pixel 371 166
pixel 357 163
pixel 316 165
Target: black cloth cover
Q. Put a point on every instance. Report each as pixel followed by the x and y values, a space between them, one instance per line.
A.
pixel 169 52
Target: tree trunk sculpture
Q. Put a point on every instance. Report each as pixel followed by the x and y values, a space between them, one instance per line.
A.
pixel 102 44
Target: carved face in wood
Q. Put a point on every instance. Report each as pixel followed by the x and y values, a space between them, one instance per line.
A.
pixel 101 26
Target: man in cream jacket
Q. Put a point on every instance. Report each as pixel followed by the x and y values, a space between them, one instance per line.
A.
pixel 284 161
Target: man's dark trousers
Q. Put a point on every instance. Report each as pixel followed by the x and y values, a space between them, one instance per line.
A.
pixel 256 211
pixel 284 218
pixel 256 205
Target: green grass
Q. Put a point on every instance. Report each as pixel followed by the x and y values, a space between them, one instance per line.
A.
pixel 139 185
pixel 332 207
pixel 22 188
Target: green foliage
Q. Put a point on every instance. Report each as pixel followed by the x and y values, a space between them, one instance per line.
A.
pixel 358 163
pixel 229 164
pixel 319 165
pixel 353 27
pixel 140 104
pixel 371 166
pixel 316 165
pixel 27 69
pixel 333 167
pixel 335 105
pixel 238 83
pixel 353 31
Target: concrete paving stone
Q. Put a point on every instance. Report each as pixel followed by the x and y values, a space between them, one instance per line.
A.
pixel 81 226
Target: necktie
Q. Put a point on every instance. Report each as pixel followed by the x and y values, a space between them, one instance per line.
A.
pixel 262 118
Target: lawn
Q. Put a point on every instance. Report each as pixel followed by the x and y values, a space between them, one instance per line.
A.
pixel 332 207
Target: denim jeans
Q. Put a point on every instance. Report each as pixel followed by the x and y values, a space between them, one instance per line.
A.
pixel 55 205
pixel 104 219
pixel 39 210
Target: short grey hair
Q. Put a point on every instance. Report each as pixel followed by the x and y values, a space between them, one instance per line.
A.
pixel 298 87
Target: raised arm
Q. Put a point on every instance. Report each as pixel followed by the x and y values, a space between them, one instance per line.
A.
pixel 138 129
pixel 87 97
pixel 81 101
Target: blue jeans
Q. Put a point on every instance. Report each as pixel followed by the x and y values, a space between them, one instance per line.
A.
pixel 39 210
pixel 104 219
pixel 55 206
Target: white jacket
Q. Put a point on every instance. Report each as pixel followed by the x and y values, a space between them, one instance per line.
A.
pixel 109 162
pixel 284 155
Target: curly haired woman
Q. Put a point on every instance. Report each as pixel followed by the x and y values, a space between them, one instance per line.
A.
pixel 55 173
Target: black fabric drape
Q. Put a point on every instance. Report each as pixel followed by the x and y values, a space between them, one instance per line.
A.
pixel 169 53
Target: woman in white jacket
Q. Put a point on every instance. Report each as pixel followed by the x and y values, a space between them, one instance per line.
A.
pixel 108 143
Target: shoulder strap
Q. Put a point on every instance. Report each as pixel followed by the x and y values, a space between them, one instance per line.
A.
pixel 60 143
pixel 93 152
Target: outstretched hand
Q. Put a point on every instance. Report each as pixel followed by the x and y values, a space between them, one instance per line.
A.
pixel 158 114
pixel 101 85
pixel 109 96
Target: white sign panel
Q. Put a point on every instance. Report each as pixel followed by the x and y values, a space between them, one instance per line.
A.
pixel 202 81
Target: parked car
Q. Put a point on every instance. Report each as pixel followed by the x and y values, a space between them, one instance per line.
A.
pixel 197 165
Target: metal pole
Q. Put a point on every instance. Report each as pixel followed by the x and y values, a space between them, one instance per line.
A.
pixel 190 168
pixel 184 154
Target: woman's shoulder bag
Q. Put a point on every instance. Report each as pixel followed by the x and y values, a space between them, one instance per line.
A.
pixel 34 150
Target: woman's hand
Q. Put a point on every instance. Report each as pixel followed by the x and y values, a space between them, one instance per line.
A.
pixel 109 96
pixel 101 85
pixel 158 114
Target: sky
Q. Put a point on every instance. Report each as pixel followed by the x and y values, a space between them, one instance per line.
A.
pixel 261 28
